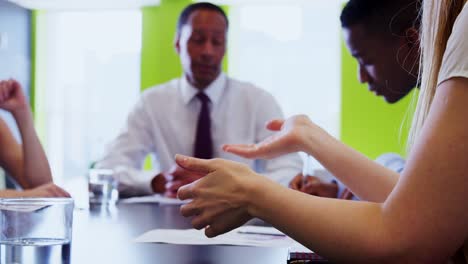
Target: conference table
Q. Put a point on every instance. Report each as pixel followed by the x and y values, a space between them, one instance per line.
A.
pixel 105 234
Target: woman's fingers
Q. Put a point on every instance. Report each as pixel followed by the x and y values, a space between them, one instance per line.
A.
pixel 208 215
pixel 199 166
pixel 244 150
pixel 226 222
pixel 186 192
pixel 203 211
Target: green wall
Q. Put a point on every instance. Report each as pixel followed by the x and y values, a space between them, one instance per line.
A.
pixel 159 60
pixel 38 74
pixel 368 123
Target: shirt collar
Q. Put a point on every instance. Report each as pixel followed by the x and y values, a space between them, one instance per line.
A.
pixel 213 91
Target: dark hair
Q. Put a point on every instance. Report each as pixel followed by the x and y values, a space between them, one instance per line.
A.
pixel 185 15
pixel 386 16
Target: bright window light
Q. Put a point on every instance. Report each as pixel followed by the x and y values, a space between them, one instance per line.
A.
pixel 88 79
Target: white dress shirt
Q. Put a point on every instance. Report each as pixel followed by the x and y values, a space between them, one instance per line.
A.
pixel 164 122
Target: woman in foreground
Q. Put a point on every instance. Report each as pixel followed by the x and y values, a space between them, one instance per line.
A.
pixel 420 216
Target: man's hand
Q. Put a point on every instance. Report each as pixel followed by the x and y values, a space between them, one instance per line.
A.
pixel 296 182
pixel 168 183
pixel 314 186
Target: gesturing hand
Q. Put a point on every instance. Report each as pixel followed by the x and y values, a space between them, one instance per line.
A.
pixel 178 178
pixel 290 137
pixel 219 199
pixel 168 183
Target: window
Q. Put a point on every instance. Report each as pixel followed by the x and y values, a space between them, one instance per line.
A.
pixel 292 51
pixel 88 79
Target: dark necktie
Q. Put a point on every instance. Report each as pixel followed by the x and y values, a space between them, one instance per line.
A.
pixel 203 144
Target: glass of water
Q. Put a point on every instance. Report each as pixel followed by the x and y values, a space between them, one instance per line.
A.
pixel 36 230
pixel 102 187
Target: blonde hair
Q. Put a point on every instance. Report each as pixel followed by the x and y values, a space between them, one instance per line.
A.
pixel 438 18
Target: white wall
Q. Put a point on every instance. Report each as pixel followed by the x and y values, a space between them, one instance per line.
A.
pixel 89 78
pixel 293 51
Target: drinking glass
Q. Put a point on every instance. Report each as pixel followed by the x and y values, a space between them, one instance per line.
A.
pixel 35 230
pixel 102 187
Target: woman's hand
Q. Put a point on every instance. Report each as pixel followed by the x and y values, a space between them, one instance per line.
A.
pixel 46 190
pixel 291 137
pixel 12 97
pixel 220 199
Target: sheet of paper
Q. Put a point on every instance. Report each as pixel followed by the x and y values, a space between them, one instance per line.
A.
pixel 261 237
pixel 259 230
pixel 22 207
pixel 156 198
pixel 296 247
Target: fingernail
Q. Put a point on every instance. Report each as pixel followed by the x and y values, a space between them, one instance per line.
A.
pixel 181 157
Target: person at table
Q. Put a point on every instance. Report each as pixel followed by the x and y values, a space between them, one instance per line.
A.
pixel 383 37
pixel 194 114
pixel 418 216
pixel 25 162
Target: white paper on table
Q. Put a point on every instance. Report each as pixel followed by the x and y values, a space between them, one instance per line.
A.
pixel 23 207
pixel 237 237
pixel 156 198
pixel 259 230
pixel 299 248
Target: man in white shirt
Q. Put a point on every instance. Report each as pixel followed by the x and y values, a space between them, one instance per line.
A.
pixel 383 37
pixel 194 115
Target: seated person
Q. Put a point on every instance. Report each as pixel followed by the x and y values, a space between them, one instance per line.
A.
pixel 417 216
pixel 194 114
pixel 383 37
pixel 25 162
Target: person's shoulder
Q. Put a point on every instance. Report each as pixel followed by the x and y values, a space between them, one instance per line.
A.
pixel 249 89
pixel 459 27
pixel 454 63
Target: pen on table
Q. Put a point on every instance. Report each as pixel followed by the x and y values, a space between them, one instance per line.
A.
pixel 261 233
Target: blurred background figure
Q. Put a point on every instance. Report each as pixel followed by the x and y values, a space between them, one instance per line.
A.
pixel 383 38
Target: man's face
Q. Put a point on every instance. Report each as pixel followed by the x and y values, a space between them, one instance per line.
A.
pixel 201 45
pixel 388 64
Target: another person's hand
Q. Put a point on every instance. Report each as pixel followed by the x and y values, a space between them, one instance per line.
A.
pixel 12 97
pixel 168 183
pixel 296 182
pixel 314 186
pixel 45 190
pixel 219 199
pixel 291 135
